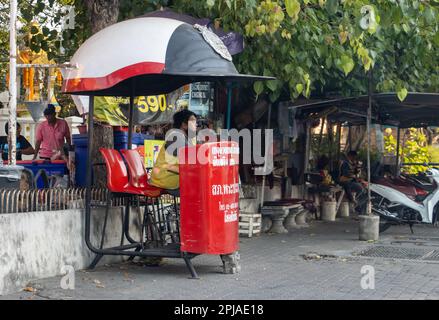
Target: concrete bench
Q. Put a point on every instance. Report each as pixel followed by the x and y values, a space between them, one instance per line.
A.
pixel 284 215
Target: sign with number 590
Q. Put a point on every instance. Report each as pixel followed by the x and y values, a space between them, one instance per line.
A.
pixel 152 103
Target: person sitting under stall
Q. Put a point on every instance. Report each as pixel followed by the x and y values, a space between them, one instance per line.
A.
pixel 23 146
pixel 322 167
pixel 165 173
pixel 349 180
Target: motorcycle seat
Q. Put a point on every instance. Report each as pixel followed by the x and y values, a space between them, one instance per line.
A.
pixel 423 184
pixel 399 185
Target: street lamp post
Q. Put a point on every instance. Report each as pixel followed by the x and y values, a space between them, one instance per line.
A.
pixel 12 83
pixel 369 223
pixel 369 119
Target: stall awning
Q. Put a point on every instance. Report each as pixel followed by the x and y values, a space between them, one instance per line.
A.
pixel 417 110
pixel 147 56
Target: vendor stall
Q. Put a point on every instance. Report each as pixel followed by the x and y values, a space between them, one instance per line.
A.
pixel 153 56
pixel 407 199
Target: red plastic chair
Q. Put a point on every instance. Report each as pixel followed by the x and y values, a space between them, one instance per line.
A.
pixel 138 174
pixel 117 174
pixel 154 217
pixel 118 183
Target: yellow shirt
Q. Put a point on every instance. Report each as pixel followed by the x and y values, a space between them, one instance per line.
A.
pixel 162 177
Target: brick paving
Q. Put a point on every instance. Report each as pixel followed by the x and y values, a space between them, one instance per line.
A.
pixel 273 267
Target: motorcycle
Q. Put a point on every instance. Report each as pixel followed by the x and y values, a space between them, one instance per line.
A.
pixel 406 199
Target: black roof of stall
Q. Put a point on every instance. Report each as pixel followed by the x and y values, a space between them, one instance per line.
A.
pixel 417 110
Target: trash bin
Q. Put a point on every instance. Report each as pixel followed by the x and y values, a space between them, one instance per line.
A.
pixel 121 139
pixel 209 198
pixel 81 148
pixel 139 139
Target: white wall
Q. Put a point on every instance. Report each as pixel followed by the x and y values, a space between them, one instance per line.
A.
pixel 37 245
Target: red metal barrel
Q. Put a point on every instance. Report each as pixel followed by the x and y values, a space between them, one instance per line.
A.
pixel 209 191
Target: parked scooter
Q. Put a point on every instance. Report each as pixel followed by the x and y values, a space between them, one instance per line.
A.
pixel 406 199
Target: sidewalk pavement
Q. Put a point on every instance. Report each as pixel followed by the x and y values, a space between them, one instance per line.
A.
pixel 318 262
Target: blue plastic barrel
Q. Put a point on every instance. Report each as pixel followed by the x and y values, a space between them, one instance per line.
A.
pixel 121 139
pixel 81 148
pixel 139 138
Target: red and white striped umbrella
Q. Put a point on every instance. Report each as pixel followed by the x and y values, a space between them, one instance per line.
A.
pixel 149 55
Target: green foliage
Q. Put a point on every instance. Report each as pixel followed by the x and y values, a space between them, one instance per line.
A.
pixel 374 156
pixel 433 151
pixel 322 146
pixel 390 144
pixel 47 34
pixel 414 150
pixel 49 15
pixel 310 46
pixel 319 46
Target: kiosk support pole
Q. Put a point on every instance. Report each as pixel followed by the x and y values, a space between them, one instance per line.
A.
pixel 130 122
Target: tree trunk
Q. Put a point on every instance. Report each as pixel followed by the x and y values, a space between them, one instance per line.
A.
pixel 429 134
pixel 101 14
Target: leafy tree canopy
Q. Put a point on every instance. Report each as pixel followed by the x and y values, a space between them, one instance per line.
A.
pixel 311 46
pixel 325 46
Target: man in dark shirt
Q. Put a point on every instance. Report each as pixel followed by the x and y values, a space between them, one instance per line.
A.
pixel 348 176
pixel 23 146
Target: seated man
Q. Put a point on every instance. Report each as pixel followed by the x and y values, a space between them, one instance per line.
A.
pixel 348 176
pixel 23 146
pixel 165 173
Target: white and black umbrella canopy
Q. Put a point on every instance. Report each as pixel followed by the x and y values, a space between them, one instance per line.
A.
pixel 149 55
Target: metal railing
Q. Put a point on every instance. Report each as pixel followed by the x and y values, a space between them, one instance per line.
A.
pixel 425 164
pixel 52 199
pixel 16 201
pixel 169 199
